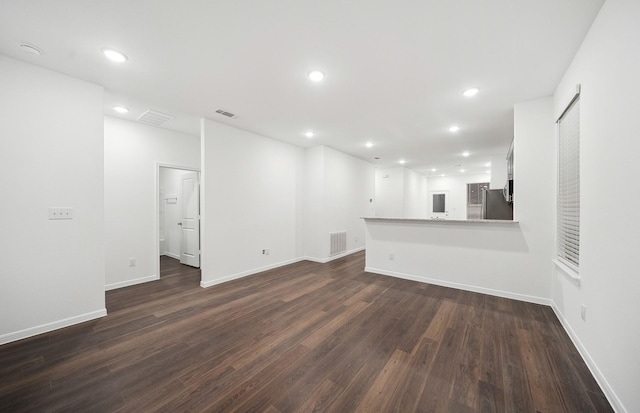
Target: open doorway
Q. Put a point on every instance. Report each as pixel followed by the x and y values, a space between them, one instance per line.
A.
pixel 178 215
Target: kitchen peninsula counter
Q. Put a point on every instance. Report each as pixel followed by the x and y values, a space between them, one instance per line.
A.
pixel 432 220
pixel 486 256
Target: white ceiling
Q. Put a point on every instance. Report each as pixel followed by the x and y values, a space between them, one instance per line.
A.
pixel 395 70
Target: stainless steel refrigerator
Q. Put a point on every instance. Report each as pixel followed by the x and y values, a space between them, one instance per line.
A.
pixel 494 206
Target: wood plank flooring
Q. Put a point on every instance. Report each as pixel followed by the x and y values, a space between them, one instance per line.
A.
pixel 307 337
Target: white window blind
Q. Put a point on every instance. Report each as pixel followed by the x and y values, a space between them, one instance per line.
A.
pixel 569 185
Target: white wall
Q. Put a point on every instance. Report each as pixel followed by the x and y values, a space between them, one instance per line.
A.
pixel 607 67
pixel 389 191
pixel 252 198
pixel 51 152
pixel 400 192
pixel 534 187
pixel 260 193
pixel 415 195
pixel 347 187
pixel 456 185
pixel 314 224
pixel 132 152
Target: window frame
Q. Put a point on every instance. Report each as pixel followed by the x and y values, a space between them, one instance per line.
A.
pixel 567 254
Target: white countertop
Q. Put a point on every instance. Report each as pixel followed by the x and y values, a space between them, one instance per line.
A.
pixel 443 221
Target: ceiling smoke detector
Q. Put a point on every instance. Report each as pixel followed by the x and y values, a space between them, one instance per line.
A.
pixel 225 113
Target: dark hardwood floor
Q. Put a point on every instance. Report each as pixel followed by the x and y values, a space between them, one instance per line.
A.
pixel 302 338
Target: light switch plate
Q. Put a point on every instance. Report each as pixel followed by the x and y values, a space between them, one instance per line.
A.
pixel 61 213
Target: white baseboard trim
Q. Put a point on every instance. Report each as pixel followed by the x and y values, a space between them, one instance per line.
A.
pixel 206 284
pixel 333 257
pixel 172 255
pixel 127 283
pixel 45 328
pixel 615 402
pixel 459 286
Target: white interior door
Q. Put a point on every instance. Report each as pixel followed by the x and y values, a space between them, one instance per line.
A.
pixel 439 204
pixel 190 221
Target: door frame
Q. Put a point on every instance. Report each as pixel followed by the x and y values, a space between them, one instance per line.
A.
pixel 156 228
pixel 445 214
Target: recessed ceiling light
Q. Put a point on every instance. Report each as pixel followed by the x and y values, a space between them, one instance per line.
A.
pixel 454 128
pixel 471 92
pixel 433 169
pixel 463 170
pixel 402 161
pixel 369 144
pixel 465 154
pixel 316 75
pixel 309 134
pixel 488 164
pixel 441 174
pixel 31 49
pixel 120 109
pixel 115 55
pixel 488 172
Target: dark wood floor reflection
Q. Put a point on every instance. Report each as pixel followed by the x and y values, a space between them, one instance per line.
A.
pixel 302 338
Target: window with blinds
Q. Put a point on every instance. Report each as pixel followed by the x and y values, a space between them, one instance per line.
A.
pixel 568 231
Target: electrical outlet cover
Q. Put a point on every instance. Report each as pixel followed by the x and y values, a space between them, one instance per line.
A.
pixel 61 213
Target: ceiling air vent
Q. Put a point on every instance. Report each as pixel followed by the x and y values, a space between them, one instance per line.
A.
pixel 225 113
pixel 155 118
